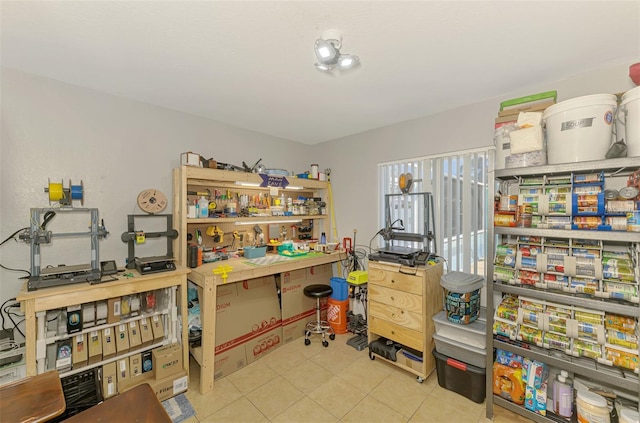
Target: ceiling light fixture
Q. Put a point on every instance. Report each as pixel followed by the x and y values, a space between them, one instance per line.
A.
pixel 328 53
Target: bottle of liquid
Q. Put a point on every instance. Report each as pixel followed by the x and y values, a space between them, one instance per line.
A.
pixel 323 238
pixel 563 395
pixel 203 204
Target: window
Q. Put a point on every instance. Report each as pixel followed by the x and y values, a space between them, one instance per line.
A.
pixel 458 184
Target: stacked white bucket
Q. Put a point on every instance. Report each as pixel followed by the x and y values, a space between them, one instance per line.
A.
pixel 630 110
pixel 581 129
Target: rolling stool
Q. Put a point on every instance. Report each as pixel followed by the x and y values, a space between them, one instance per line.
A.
pixel 318 326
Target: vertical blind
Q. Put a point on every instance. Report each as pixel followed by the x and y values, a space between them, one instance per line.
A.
pixel 458 184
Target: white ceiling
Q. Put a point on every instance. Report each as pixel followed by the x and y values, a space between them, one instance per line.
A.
pixel 250 64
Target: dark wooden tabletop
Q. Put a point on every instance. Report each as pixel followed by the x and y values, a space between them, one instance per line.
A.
pixel 138 404
pixel 33 399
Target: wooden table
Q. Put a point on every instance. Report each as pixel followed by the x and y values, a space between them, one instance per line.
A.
pixel 33 399
pixel 204 278
pixel 139 404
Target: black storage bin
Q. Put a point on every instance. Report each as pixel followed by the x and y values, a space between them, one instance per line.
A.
pixel 460 377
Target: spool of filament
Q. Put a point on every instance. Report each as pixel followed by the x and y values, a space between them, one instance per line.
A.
pixel 55 190
pixel 77 192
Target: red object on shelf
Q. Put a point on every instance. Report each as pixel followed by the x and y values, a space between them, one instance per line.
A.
pixel 634 73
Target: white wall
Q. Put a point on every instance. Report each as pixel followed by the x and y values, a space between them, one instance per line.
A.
pixel 116 147
pixel 353 159
pixel 119 147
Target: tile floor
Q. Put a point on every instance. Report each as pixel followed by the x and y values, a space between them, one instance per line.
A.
pixel 298 383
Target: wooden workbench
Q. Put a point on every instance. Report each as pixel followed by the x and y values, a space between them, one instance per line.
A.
pixel 204 278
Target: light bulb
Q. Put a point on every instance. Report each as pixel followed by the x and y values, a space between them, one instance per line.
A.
pixel 347 61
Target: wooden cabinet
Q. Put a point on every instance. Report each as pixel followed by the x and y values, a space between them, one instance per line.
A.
pixel 402 302
pixel 253 197
pixel 172 314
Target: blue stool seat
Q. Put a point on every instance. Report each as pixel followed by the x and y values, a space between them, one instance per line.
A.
pixel 318 326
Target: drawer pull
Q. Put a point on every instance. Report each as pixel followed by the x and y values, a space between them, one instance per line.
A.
pixel 393 299
pixel 393 332
pixel 393 281
pixel 393 315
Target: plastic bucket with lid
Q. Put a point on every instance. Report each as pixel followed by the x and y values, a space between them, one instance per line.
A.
pixel 591 407
pixel 579 129
pixel 461 296
pixel 630 106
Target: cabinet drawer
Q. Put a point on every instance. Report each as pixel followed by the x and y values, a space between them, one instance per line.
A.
pixel 405 336
pixel 396 298
pixel 396 315
pixel 396 280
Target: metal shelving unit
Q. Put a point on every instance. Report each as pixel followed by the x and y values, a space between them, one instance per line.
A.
pixel 589 368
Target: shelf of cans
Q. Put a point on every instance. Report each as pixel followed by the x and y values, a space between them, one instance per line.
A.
pixel 573 266
pixel 575 201
pixel 608 338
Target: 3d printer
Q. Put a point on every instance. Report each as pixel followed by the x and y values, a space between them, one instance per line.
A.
pixel 421 244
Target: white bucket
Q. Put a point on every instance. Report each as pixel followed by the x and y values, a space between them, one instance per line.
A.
pixel 579 129
pixel 631 108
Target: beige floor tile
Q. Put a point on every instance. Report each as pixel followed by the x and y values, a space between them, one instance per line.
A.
pixel 287 356
pixel 334 359
pixel 364 375
pixel 307 411
pixel 444 406
pixel 252 376
pixel 274 397
pixel 402 395
pixel 240 411
pixel 371 410
pixel 223 394
pixel 337 396
pixel 307 376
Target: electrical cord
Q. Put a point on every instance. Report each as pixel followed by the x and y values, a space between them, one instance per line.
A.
pixel 13 235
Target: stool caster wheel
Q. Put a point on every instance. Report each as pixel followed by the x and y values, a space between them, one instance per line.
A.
pixel 332 336
pixel 371 356
pixel 307 342
pixel 325 344
pixel 419 379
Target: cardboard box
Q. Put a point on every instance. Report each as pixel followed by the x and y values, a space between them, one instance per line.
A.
pixel 228 361
pixel 122 369
pixel 248 313
pixel 232 359
pixel 134 335
pixel 80 354
pixel 319 274
pixel 167 360
pixel 95 346
pixel 108 342
pixel 109 380
pixel 189 159
pixel 122 338
pixel 146 333
pixel 113 310
pixel 297 308
pixel 164 388
pixel 157 327
pixel 135 365
pixel 262 345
